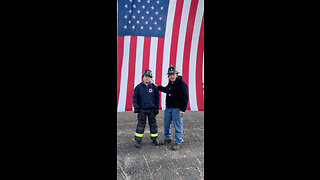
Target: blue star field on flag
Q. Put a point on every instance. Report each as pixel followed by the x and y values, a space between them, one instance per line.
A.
pixel 142 17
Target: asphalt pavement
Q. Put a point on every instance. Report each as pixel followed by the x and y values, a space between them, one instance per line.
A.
pixel 160 162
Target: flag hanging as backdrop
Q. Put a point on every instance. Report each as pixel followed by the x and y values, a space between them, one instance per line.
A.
pixel 155 34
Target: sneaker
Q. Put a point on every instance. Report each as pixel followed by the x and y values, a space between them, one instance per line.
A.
pixel 165 141
pixel 176 146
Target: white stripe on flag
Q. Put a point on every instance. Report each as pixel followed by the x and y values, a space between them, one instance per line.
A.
pixel 153 56
pixel 193 57
pixel 124 75
pixel 167 47
pixel 138 65
pixel 182 34
pixel 139 59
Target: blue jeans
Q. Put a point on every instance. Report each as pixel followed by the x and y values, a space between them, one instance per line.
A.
pixel 173 115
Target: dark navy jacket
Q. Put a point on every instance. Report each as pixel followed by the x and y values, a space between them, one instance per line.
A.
pixel 146 97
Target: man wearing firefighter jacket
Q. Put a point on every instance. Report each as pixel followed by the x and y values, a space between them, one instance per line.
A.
pixel 146 102
pixel 177 97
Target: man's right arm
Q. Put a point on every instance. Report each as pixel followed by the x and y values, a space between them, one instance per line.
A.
pixel 162 89
pixel 135 97
pixel 135 100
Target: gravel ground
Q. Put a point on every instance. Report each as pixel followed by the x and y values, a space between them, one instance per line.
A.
pixel 160 162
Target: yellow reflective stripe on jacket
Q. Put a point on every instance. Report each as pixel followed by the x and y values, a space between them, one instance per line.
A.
pixel 138 135
pixel 154 135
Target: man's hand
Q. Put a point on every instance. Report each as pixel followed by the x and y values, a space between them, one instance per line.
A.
pixel 181 113
pixel 136 109
pixel 155 85
pixel 156 111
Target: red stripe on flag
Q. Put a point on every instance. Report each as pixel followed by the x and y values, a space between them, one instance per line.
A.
pixel 132 64
pixel 199 86
pixel 159 64
pixel 119 63
pixel 146 53
pixel 175 32
pixel 187 45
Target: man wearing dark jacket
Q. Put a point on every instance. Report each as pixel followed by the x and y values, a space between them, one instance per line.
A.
pixel 177 97
pixel 146 102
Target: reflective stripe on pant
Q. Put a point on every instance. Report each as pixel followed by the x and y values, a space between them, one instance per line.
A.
pixel 154 135
pixel 142 116
pixel 173 115
pixel 138 135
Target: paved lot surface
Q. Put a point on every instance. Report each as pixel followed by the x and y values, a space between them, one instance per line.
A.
pixel 160 162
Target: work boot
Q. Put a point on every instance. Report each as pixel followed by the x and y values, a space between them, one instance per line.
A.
pixel 156 142
pixel 138 144
pixel 165 141
pixel 176 146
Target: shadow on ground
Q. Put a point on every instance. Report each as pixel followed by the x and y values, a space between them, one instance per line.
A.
pixel 160 162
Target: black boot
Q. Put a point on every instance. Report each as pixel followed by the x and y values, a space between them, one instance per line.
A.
pixel 155 142
pixel 138 144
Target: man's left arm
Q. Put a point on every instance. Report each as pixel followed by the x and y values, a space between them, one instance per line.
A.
pixel 157 100
pixel 184 98
pixel 157 97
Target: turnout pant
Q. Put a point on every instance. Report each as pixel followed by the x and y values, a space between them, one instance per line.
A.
pixel 142 117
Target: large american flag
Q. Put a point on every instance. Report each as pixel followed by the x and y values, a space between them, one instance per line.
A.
pixel 155 34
